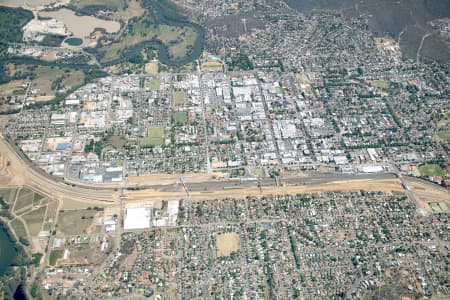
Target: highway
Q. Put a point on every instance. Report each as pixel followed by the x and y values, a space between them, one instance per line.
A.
pixel 23 172
pixel 311 178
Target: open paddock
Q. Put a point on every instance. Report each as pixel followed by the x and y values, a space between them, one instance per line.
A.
pixel 24 200
pixel 75 222
pixel 427 193
pixel 8 195
pixel 85 254
pixel 71 204
pixel 81 26
pixel 35 219
pixel 19 228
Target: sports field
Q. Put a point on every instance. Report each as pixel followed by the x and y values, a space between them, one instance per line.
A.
pixel 179 98
pixel 155 137
pixel 431 170
pixel 180 117
pixel 227 243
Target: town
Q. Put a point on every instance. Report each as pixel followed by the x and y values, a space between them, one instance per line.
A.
pixel 246 151
pixel 330 245
pixel 246 124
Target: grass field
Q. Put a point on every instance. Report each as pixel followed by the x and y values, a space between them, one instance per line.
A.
pixel 34 220
pixel 11 88
pixel 153 83
pixel 54 256
pixel 180 117
pixel 444 135
pixel 8 195
pixel 75 221
pixel 19 228
pixel 51 215
pixel 77 205
pixel 227 243
pixel 258 172
pixel 155 137
pixel 44 78
pixel 431 170
pixel 179 97
pixel 383 84
pixel 117 141
pixel 37 198
pixel 24 199
pixel 152 68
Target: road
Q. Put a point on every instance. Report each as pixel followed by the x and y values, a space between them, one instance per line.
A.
pixel 21 172
pixel 24 173
pixel 420 211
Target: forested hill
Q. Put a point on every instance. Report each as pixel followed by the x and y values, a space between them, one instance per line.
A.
pixel 11 22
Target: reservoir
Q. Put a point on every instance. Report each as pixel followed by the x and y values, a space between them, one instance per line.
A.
pixel 73 41
pixel 7 250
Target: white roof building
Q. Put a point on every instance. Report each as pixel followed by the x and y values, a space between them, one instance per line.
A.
pixel 137 218
pixel 372 169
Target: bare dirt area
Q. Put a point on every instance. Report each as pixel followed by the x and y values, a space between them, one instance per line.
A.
pixel 227 243
pixel 427 193
pixel 29 3
pixel 400 284
pixel 211 66
pixel 383 185
pixel 129 261
pixel 83 255
pixel 81 26
pixel 4 121
pixel 71 204
pixel 165 179
pixel 151 68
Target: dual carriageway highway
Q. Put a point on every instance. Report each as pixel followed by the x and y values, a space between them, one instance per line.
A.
pixel 21 172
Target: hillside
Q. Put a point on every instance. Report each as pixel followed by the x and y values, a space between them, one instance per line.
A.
pixel 406 20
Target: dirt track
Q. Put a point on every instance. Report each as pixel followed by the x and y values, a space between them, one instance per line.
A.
pixel 426 193
pixel 166 179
